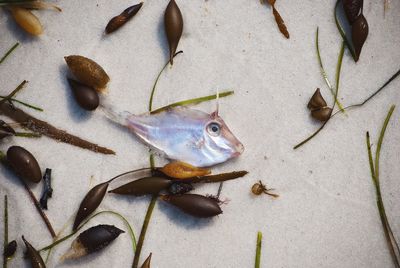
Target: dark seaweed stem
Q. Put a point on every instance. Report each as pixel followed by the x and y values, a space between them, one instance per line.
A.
pixel 156 82
pixel 258 250
pixel 9 52
pixel 5 229
pixel 39 209
pixel 44 128
pixel 374 167
pixel 338 70
pixel 372 95
pixel 152 166
pixel 127 173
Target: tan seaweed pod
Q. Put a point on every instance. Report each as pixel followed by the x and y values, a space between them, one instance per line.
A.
pixel 88 72
pixel 27 20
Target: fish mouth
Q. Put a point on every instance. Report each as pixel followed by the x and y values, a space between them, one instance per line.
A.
pixel 239 149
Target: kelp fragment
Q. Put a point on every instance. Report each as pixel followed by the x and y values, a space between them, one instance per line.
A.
pixel 47 190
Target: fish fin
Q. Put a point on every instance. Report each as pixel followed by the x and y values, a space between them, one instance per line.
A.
pixel 113 114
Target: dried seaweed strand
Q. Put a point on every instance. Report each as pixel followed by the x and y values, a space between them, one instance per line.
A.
pixel 278 18
pixel 258 250
pixel 39 209
pixel 324 75
pixel 374 167
pixel 48 130
pixel 5 260
pixel 338 70
pixel 280 22
pixel 9 52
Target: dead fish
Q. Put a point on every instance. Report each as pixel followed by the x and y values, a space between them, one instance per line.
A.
pixel 183 134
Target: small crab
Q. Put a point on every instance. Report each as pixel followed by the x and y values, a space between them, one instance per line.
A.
pixel 259 188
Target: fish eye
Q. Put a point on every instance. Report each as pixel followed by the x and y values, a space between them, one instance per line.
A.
pixel 214 129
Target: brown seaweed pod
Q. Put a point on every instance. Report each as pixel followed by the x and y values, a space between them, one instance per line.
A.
pixel 322 114
pixel 24 164
pixel 34 256
pixel 90 202
pixel 146 263
pixel 359 34
pixel 182 170
pixel 118 21
pixel 316 101
pixel 352 9
pixel 173 23
pixel 87 71
pixel 280 22
pixel 143 186
pixel 27 20
pixel 193 204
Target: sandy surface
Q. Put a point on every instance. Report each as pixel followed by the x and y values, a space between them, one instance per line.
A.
pixel 326 215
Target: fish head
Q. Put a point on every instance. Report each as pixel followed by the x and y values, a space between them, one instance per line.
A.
pixel 219 139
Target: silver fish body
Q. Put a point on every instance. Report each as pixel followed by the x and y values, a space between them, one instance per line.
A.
pixel 185 134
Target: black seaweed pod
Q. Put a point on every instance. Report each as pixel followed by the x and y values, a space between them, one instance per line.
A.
pixel 10 249
pixel 194 204
pixel 322 114
pixel 173 23
pixel 90 202
pixel 98 237
pixel 359 34
pixel 85 96
pixel 352 9
pixel 143 186
pixel 146 263
pixel 34 256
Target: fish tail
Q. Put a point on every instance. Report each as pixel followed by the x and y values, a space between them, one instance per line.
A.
pixel 113 114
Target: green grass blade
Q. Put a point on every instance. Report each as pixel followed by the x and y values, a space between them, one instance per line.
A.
pixel 193 101
pixel 5 229
pixel 9 52
pixel 258 250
